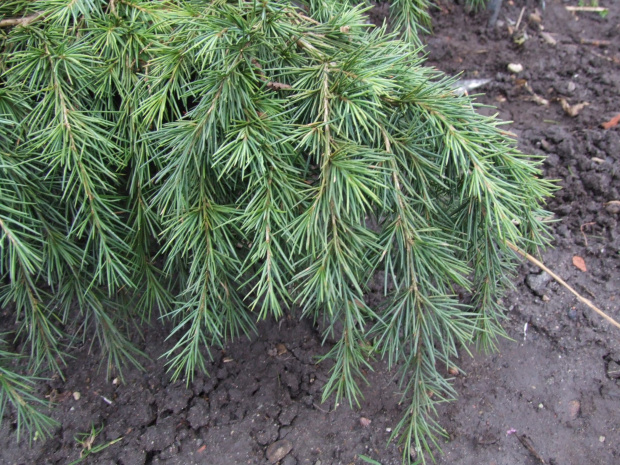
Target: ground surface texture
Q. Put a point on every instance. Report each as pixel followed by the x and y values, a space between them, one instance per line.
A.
pixel 555 387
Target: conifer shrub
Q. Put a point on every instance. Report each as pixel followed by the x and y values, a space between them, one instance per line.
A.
pixel 221 162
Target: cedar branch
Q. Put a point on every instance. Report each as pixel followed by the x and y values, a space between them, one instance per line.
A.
pixel 25 21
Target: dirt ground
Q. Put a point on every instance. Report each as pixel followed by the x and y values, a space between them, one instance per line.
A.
pixel 550 395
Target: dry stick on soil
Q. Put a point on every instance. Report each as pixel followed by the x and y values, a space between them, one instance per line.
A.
pixel 597 9
pixel 612 59
pixel 527 443
pixel 520 18
pixel 585 238
pixel 542 266
pixel 598 43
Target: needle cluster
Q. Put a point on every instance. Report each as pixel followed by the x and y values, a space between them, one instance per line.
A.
pixel 226 161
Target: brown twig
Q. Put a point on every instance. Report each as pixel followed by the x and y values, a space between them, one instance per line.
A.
pixel 542 266
pixel 310 20
pixel 273 85
pixel 520 18
pixel 527 443
pixel 319 408
pixel 9 22
pixel 585 238
pixel 615 60
pixel 598 43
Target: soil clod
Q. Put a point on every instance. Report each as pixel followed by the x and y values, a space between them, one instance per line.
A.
pixel 613 369
pixel 538 282
pixel 278 450
pixel 574 407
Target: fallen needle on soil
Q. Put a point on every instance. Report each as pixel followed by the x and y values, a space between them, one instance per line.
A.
pixel 595 9
pixel 598 43
pixel 585 238
pixel 319 408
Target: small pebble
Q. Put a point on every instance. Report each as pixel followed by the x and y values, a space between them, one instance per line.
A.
pixel 365 422
pixel 601 438
pixel 515 68
pixel 538 282
pixel 548 38
pixel 541 406
pixel 572 314
pixel 77 395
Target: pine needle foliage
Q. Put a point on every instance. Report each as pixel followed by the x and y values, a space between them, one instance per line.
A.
pixel 227 161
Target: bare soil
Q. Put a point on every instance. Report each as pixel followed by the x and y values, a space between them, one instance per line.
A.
pixel 550 395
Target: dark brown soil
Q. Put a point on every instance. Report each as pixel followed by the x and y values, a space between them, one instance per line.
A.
pixel 557 382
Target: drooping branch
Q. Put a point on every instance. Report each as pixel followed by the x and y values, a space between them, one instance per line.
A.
pixel 25 21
